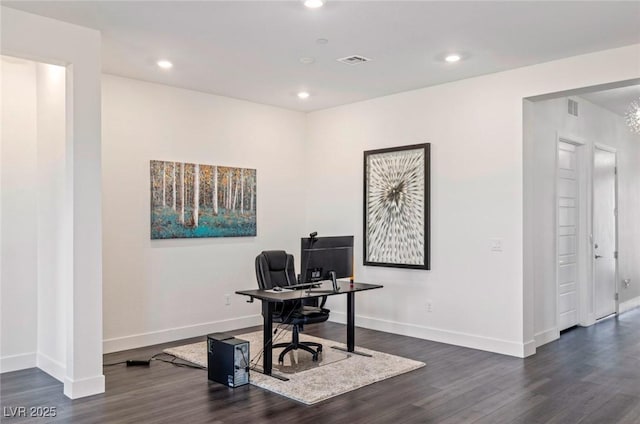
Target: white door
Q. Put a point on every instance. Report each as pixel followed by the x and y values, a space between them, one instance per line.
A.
pixel 604 232
pixel 567 231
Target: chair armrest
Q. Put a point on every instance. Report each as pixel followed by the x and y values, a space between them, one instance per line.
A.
pixel 320 308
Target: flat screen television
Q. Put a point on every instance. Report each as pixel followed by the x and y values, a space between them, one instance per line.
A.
pixel 326 258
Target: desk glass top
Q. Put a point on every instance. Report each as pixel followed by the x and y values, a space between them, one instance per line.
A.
pixel 323 288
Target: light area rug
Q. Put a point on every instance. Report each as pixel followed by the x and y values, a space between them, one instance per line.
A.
pixel 316 384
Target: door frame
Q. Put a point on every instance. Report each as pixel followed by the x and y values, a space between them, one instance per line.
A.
pixel 583 237
pixel 605 148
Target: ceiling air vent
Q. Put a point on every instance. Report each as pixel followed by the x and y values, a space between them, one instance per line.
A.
pixel 354 60
pixel 572 107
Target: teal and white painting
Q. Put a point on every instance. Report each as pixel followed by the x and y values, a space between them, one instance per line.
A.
pixel 192 200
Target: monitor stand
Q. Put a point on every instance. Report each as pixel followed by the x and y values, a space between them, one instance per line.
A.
pixel 333 281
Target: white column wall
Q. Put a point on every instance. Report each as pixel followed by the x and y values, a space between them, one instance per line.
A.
pixel 46 40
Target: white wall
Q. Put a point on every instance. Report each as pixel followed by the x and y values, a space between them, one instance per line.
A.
pixel 593 125
pixel 18 287
pixel 53 259
pixel 478 297
pixel 34 280
pixel 46 40
pixel 161 290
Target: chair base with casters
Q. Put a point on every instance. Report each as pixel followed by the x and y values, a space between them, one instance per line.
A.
pixel 297 344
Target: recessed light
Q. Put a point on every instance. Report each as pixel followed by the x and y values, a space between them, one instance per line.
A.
pixel 307 60
pixel 452 58
pixel 322 41
pixel 314 4
pixel 303 95
pixel 165 64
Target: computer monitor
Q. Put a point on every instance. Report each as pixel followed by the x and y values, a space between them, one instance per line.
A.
pixel 326 258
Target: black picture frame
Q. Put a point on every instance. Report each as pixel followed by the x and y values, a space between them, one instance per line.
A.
pixel 394 187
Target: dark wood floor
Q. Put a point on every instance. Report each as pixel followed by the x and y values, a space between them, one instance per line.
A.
pixel 590 375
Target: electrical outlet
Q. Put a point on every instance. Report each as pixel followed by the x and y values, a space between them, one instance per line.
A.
pixel 429 306
pixel 227 299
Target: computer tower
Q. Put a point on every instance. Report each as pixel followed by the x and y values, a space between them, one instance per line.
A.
pixel 227 360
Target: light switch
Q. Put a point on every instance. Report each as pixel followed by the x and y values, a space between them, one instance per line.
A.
pixel 496 245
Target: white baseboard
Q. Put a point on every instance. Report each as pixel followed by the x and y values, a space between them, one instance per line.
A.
pixel 588 321
pixel 52 367
pixel 629 304
pixel 489 344
pixel 529 348
pixel 75 389
pixel 546 336
pixel 171 334
pixel 18 362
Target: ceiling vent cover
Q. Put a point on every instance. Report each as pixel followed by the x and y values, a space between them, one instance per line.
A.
pixel 354 60
pixel 572 107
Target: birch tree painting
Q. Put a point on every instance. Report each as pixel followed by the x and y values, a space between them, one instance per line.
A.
pixel 193 200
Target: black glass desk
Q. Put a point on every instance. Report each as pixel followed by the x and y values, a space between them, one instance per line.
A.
pixel 269 299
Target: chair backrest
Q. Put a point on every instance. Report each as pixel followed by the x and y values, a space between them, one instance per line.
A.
pixel 275 268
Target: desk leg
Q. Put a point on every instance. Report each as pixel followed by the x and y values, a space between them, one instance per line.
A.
pixel 351 326
pixel 267 334
pixel 267 315
pixel 351 321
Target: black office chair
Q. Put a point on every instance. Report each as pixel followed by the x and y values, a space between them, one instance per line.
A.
pixel 274 268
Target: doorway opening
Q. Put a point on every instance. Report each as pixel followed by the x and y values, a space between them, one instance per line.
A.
pixel 582 176
pixel 605 231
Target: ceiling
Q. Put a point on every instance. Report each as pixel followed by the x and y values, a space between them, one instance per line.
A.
pixel 252 49
pixel 616 100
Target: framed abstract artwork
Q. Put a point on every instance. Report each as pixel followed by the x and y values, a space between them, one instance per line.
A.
pixel 191 200
pixel 397 207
